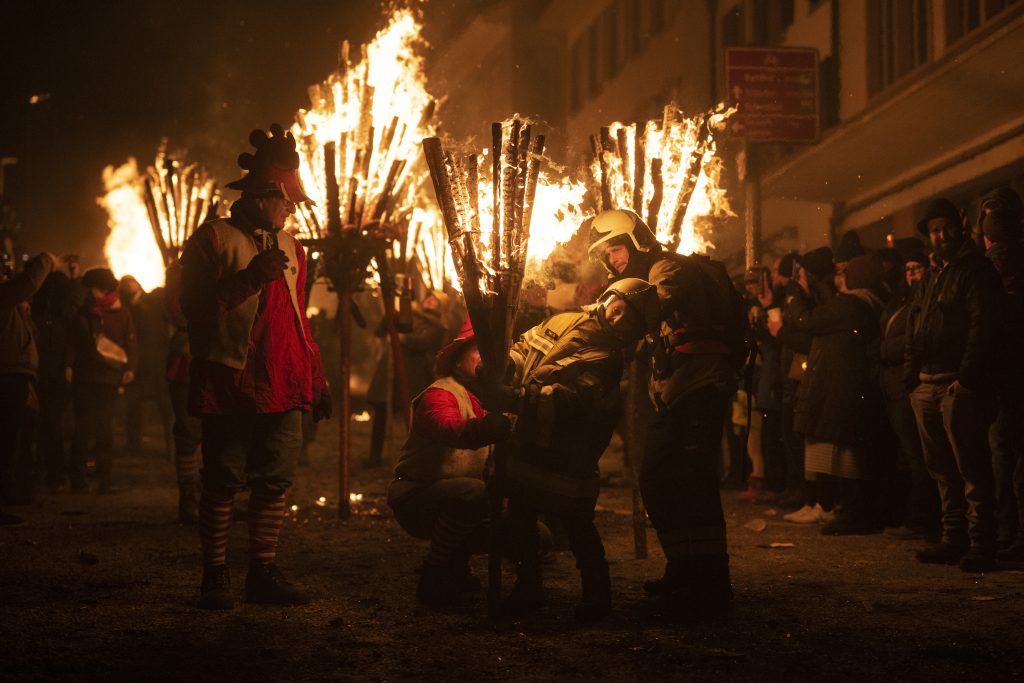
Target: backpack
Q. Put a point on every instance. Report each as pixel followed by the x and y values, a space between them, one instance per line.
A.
pixel 728 313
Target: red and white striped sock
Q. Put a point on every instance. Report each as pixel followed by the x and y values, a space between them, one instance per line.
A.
pixel 266 516
pixel 186 465
pixel 214 524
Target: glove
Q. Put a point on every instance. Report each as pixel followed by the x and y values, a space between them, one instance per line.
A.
pixel 495 427
pixel 502 398
pixel 322 406
pixel 268 265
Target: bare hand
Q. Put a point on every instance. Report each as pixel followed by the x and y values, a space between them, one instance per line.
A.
pixel 127 377
pixel 268 265
pixel 58 262
pixel 953 388
pixel 68 374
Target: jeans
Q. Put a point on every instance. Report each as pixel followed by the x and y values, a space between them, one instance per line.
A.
pixel 257 451
pixel 94 422
pixel 954 438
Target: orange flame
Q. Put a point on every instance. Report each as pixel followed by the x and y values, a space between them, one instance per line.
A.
pixel 130 248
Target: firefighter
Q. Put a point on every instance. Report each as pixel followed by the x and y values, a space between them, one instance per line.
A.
pixel 694 356
pixel 565 391
pixel 255 367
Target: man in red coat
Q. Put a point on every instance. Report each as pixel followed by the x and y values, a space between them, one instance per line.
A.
pixel 255 366
pixel 438 492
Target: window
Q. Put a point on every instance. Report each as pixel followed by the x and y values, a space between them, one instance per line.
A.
pixel 613 54
pixel 593 60
pixel 897 40
pixel 732 27
pixel 964 16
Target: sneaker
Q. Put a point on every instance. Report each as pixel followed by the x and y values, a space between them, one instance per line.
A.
pixel 215 592
pixel 266 585
pixel 978 560
pixel 941 553
pixel 805 515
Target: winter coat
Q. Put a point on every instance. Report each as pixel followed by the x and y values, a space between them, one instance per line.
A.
pixel 18 352
pixel 419 347
pixel 82 357
pixel 1008 259
pixel 153 330
pixel 53 309
pixel 893 346
pixel 956 317
pixel 838 400
pixel 791 339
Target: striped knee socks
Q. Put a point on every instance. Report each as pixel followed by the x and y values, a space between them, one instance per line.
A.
pixel 266 516
pixel 214 524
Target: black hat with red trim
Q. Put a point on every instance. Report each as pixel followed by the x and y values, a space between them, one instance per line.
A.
pixel 273 170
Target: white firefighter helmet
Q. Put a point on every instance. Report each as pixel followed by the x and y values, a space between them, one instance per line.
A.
pixel 619 226
pixel 640 295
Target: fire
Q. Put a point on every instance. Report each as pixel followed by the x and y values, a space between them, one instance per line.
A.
pixel 364 126
pixel 130 248
pixel 671 168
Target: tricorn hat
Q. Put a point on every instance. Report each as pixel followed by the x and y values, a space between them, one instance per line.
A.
pixel 273 168
pixel 450 352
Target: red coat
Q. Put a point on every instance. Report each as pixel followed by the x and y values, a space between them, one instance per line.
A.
pixel 283 370
pixel 437 419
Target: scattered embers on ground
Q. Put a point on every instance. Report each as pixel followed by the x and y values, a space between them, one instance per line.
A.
pixel 104 587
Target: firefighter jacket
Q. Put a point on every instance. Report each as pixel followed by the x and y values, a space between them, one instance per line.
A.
pixel 569 369
pixel 693 350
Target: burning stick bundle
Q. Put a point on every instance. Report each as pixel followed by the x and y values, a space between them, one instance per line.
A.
pixel 178 198
pixel 661 170
pixel 358 140
pixel 489 251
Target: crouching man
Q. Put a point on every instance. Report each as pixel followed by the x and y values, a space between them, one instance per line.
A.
pixel 565 391
pixel 255 367
pixel 438 492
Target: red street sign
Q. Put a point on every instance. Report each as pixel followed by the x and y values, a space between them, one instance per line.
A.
pixel 775 91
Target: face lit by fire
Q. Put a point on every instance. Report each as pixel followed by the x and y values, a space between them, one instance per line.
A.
pixel 946 237
pixel 914 272
pixel 618 257
pixel 624 320
pixel 469 361
pixel 275 210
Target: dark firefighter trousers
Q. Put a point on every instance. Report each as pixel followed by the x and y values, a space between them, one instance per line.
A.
pixel 679 479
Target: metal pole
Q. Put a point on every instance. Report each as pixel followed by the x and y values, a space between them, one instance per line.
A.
pixel 752 207
pixel 344 409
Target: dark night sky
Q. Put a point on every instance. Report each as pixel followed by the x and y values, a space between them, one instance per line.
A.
pixel 123 74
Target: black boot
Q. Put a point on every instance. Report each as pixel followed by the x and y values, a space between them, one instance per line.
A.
pixel 528 594
pixel 438 587
pixel 461 575
pixel 188 501
pixel 596 602
pixel 674 579
pixel 215 591
pixel 942 553
pixel 266 585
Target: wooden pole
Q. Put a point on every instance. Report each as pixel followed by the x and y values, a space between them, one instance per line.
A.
pixel 345 404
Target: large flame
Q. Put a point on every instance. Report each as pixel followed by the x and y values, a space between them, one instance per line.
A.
pixel 373 115
pixel 672 143
pixel 130 248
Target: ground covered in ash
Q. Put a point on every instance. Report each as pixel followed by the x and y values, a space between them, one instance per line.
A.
pixel 105 587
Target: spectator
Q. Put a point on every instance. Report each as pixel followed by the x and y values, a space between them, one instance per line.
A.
pixel 150 386
pixel 1000 223
pixel 922 502
pixel 419 346
pixel 952 367
pixel 101 357
pixel 838 406
pixel 19 361
pixel 53 309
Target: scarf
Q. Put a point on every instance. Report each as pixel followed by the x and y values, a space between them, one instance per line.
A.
pixel 107 302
